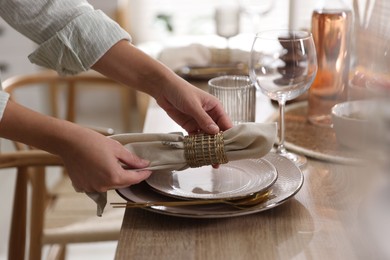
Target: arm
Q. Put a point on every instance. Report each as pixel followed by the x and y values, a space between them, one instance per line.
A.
pixel 189 106
pixel 92 160
pixel 76 39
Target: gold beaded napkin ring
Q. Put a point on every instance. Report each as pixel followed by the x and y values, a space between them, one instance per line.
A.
pixel 204 149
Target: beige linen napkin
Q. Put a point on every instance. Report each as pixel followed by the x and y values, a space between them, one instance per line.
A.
pixel 192 55
pixel 166 151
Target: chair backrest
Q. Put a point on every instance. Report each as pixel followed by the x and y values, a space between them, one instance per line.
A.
pixel 59 97
pixel 56 95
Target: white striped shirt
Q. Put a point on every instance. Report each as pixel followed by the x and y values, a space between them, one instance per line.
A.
pixel 70 34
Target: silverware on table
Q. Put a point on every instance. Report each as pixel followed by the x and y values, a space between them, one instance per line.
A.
pixel 248 201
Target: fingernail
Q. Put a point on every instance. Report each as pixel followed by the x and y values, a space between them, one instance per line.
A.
pixel 144 162
pixel 213 128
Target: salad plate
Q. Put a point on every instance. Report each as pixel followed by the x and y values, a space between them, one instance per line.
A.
pixel 236 179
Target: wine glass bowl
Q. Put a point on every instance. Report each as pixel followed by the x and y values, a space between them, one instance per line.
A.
pixel 283 65
pixel 227 21
pixel 256 9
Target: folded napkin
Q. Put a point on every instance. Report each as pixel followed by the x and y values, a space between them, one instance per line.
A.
pixel 191 55
pixel 174 151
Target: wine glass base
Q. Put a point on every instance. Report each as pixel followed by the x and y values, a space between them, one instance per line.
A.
pixel 297 159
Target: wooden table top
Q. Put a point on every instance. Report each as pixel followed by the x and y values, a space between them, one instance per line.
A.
pixel 319 222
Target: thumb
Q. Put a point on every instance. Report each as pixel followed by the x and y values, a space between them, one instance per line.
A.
pixel 205 122
pixel 130 177
pixel 132 161
pixel 213 120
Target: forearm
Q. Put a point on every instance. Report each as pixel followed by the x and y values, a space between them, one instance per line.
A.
pixel 189 106
pixel 91 159
pixel 130 66
pixel 40 131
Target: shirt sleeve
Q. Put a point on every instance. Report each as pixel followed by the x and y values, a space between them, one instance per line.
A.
pixel 71 35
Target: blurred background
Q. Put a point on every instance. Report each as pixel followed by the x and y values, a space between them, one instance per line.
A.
pixel 154 25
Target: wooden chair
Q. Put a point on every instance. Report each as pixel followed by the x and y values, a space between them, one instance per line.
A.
pixel 60 97
pixel 58 215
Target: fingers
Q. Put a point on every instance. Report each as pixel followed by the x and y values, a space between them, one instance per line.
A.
pixel 108 172
pixel 211 116
pixel 218 115
pixel 131 160
pixel 133 177
pixel 197 110
pixel 130 177
pixel 127 174
pixel 209 121
pixel 125 178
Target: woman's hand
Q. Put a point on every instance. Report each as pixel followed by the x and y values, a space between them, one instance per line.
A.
pixel 194 109
pixel 191 107
pixel 95 163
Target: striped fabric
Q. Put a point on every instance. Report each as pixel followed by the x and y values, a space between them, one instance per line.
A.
pixel 70 34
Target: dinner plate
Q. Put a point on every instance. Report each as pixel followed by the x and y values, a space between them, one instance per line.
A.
pixel 235 179
pixel 211 71
pixel 289 182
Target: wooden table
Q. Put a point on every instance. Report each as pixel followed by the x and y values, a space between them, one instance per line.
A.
pixel 318 223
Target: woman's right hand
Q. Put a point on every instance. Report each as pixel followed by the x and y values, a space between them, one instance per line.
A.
pixel 95 164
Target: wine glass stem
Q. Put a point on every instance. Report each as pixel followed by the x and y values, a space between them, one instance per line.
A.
pixel 227 42
pixel 281 149
pixel 256 21
pixel 228 48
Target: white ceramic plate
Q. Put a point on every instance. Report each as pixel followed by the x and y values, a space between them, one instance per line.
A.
pixel 289 182
pixel 235 179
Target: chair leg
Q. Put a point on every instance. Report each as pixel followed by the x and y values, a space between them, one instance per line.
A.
pixel 53 99
pixel 17 240
pixel 57 252
pixel 71 102
pixel 37 212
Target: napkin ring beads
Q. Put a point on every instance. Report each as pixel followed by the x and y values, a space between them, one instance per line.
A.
pixel 204 149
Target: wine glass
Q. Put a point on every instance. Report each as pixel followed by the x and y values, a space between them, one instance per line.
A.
pixel 227 21
pixel 255 9
pixel 283 65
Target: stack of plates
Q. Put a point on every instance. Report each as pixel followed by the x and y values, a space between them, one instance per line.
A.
pixel 234 180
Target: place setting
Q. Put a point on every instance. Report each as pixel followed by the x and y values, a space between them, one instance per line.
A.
pixel 267 183
pixel 204 59
pixel 251 177
pixel 182 171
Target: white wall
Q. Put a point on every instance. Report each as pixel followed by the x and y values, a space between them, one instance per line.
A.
pixel 191 17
